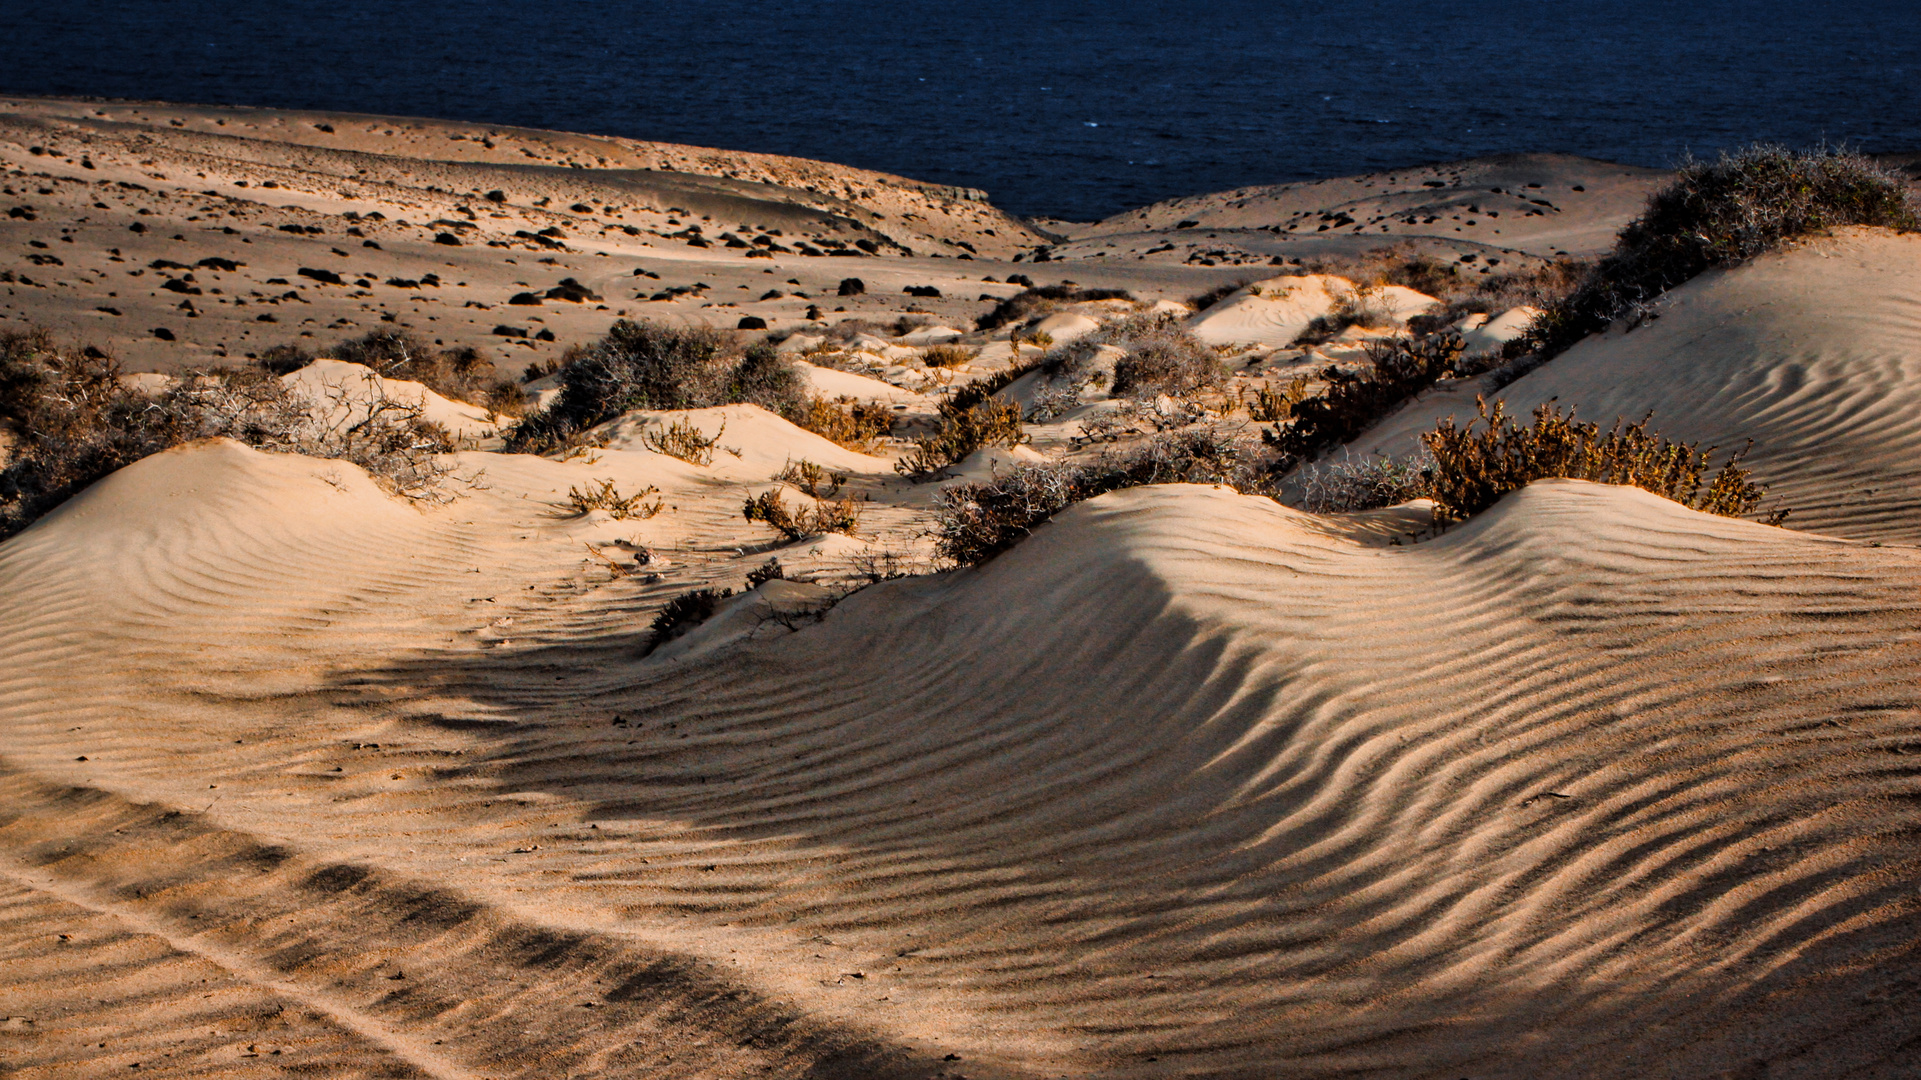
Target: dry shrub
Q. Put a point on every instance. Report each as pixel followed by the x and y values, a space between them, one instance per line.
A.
pixel 1204 300
pixel 858 426
pixel 462 374
pixel 975 522
pixel 771 570
pixel 825 516
pixel 816 481
pixel 946 356
pixel 1032 302
pixel 1472 470
pixel 1354 401
pixel 683 440
pixel 1335 487
pixel 605 497
pixel 962 431
pixel 1166 360
pixel 1361 304
pixel 1268 405
pixel 1723 213
pixel 73 421
pixel 682 614
pixel 644 365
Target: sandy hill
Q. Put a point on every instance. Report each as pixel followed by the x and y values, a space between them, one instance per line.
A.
pixel 182 236
pixel 1188 784
pixel 1812 353
pixel 300 777
pixel 1513 207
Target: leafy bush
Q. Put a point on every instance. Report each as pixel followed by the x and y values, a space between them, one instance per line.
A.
pixel 856 425
pixel 1024 305
pixel 963 430
pixel 682 614
pixel 73 421
pixel 644 365
pixel 1472 470
pixel 825 516
pixel 1722 213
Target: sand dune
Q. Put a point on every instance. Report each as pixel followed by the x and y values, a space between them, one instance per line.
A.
pixel 1811 353
pixel 1189 782
pixel 297 776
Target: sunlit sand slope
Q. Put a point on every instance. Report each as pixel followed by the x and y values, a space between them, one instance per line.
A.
pixel 1187 784
pixel 1813 353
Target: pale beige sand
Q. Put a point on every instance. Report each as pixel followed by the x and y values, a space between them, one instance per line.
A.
pixel 1188 783
pixel 1814 353
pixel 297 778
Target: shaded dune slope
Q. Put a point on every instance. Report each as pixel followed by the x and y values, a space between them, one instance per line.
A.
pixel 1186 784
pixel 1813 353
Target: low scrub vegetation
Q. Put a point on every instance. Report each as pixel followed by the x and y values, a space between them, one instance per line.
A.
pixel 1361 304
pixel 824 516
pixel 946 356
pixel 1354 400
pixel 963 430
pixel 855 425
pixel 816 481
pixel 682 614
pixel 644 365
pixel 683 440
pixel 1722 213
pixel 975 522
pixel 1351 483
pixel 606 497
pixel 1039 301
pixel 462 374
pixel 73 419
pixel 1473 469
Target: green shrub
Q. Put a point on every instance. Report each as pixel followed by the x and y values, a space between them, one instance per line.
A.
pixel 1723 213
pixel 1472 470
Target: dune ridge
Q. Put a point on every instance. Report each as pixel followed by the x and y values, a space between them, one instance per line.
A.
pixel 1188 781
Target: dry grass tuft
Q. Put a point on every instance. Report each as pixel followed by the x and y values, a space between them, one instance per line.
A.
pixel 682 614
pixel 946 356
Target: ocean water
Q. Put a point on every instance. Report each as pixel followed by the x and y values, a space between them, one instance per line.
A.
pixel 1069 110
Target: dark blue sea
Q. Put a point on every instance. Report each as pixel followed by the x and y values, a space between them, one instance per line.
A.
pixel 1071 110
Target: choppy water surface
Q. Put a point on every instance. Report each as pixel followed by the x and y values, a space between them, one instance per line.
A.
pixel 1074 110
